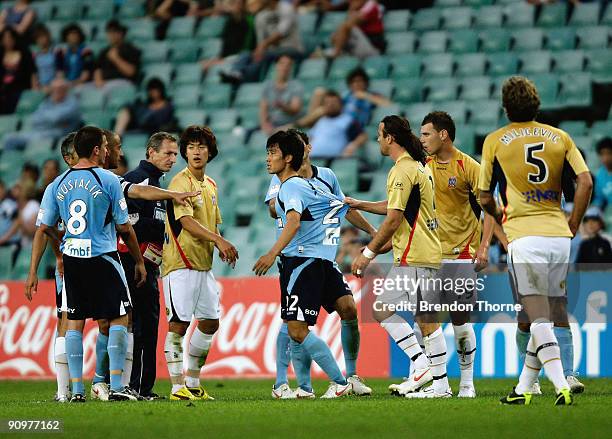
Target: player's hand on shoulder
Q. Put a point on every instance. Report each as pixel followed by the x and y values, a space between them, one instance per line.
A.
pixel 352 202
pixel 181 197
pixel 31 286
pixel 140 274
pixel 263 264
pixel 227 251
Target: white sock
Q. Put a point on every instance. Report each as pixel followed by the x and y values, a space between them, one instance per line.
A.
pixel 465 340
pixel 129 360
pixel 403 335
pixel 419 338
pixel 531 369
pixel 435 348
pixel 199 345
pixel 547 350
pixel 61 367
pixel 173 348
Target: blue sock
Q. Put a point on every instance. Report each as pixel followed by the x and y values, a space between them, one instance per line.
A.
pixel 117 347
pixel 320 353
pixel 350 345
pixel 301 365
pixel 101 359
pixel 522 340
pixel 566 346
pixel 283 356
pixel 74 352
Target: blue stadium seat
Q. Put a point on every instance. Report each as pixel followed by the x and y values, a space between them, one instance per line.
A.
pixel 475 88
pixel 439 65
pixel 140 29
pixel 548 89
pixel 597 37
pixel 574 128
pixel 210 27
pixel 568 61
pixel 560 38
pixel 576 90
pixel 186 96
pixel 600 65
pixel 478 2
pixel 527 39
pixel 586 14
pixel 341 67
pixel 415 113
pixel 8 123
pixel 190 117
pixel 91 99
pixel 538 61
pixel 553 15
pixel 99 10
pixel 607 17
pixel 408 90
pixel 396 21
pixel 447 3
pixel 519 14
pixel 489 16
pixel 223 120
pixel 426 19
pixel 463 41
pixel 28 101
pixel 471 64
pixel 248 94
pixel 217 96
pixel 313 68
pixel 67 10
pixel 181 28
pixel 441 89
pixel 183 51
pixel 433 41
pixel 162 71
pixel 188 74
pixel 131 10
pixel 464 138
pixel 400 42
pixel 377 67
pixel 154 51
pixel 495 40
pixel 406 66
pixel 502 63
pixel 456 18
pixel 485 112
pixel 457 110
pixel 383 87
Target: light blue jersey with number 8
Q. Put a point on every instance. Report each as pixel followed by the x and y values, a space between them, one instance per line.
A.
pixel 89 202
pixel 321 217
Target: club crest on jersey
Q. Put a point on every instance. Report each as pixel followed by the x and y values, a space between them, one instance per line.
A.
pixel 452 182
pixel 214 200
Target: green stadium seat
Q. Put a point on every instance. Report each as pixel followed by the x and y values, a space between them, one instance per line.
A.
pixel 574 127
pixel 131 10
pixel 377 67
pixel 8 123
pixel 383 87
pixel 183 51
pixel 441 89
pixel 560 38
pixel 223 120
pixel 217 96
pixel 433 41
pixel 162 71
pixel 134 146
pixel 396 21
pixel 313 68
pixel 190 117
pixel 477 2
pixel 489 16
pixel 463 41
pixel 548 88
pixel 475 88
pixel 99 118
pixel 22 265
pixel 99 10
pixel 457 110
pixel 471 64
pixel 456 18
pixel 447 3
pixel 527 39
pixel 6 262
pixel 370 154
pixel 568 61
pixel 538 61
pixel 438 65
pixel 210 27
pixel 593 37
pixel 502 64
pixel 29 100
pixel 347 171
pixel 188 74
pixel 485 112
pixel 96 46
pixel 181 28
pixel 519 14
pixel 257 141
pixel 607 17
pixel 44 11
pixel 211 48
pixel 601 129
pixel 10 165
pixel 39 151
pixel 415 113
pixel 140 29
pixel 186 96
pixel 405 66
pixel 153 51
pixel 90 28
pixel 67 10
pixel 553 15
pixel 307 22
pixel 249 117
pixel 426 19
pixel 120 98
pixel 55 28
pixel 586 14
pixel 600 65
pixel 341 67
pixel 576 90
pixel 400 42
pixel 464 138
pixel 331 21
pixel 248 94
pixel 408 90
pixel 494 40
pixel 381 112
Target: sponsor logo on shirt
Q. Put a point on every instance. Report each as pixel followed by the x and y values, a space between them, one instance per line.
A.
pixel 78 248
pixel 122 204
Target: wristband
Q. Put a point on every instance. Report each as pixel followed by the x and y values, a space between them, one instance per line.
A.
pixel 369 253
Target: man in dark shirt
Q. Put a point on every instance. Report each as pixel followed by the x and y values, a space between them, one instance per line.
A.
pixel 119 63
pixel 147 218
pixel 595 247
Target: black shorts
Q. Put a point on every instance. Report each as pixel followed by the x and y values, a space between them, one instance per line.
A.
pixel 95 287
pixel 307 284
pixel 59 285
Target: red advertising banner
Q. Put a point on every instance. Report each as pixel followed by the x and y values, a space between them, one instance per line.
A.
pixel 244 346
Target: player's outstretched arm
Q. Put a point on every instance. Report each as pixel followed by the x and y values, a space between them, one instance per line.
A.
pixel 39 244
pixel 227 251
pixel 152 193
pixel 129 237
pixel 377 207
pixel 357 219
pixel 584 188
pixel 272 208
pixel 264 263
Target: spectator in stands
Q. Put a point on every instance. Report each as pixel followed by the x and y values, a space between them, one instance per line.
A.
pixel 362 34
pixel 119 63
pixel 28 211
pixel 207 8
pixel 50 171
pixel 77 58
pixel 602 196
pixel 20 17
pixel 48 59
pixel 282 98
pixel 166 10
pixel 17 69
pixel 277 31
pixel 9 215
pixel 154 114
pixel 350 246
pixel 29 174
pixel 596 246
pixel 320 5
pixel 55 117
pixel 336 134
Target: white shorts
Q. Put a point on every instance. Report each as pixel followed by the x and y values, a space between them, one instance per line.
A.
pixel 538 265
pixel 191 293
pixel 411 287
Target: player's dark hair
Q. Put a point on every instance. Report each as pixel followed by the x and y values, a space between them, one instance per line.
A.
pixel 67 145
pixel 605 143
pixel 157 84
pixel 31 168
pixel 111 138
pixel 198 134
pixel 301 134
pixel 520 99
pixel 358 72
pixel 289 143
pixel 156 140
pixel 55 163
pixel 39 30
pixel 115 25
pixel 86 139
pixel 399 128
pixel 441 120
pixel 73 27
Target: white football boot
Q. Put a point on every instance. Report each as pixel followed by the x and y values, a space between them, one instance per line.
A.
pixel 283 392
pixel 359 387
pixel 429 393
pixel 575 385
pixel 300 393
pixel 336 390
pixel 415 382
pixel 466 391
pixel 100 391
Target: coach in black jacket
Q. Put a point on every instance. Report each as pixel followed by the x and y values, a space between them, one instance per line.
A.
pixel 147 218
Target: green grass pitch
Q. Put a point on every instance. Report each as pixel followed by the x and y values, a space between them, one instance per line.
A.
pixel 244 409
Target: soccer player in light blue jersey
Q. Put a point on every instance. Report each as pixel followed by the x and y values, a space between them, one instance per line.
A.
pixel 310 218
pixel 341 301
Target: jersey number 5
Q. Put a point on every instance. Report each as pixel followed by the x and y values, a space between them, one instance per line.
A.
pixel 77 210
pixel 542 175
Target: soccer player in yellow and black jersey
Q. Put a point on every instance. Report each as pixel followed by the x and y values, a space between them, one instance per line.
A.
pixel 190 289
pixel 411 225
pixel 529 162
pixel 455 176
